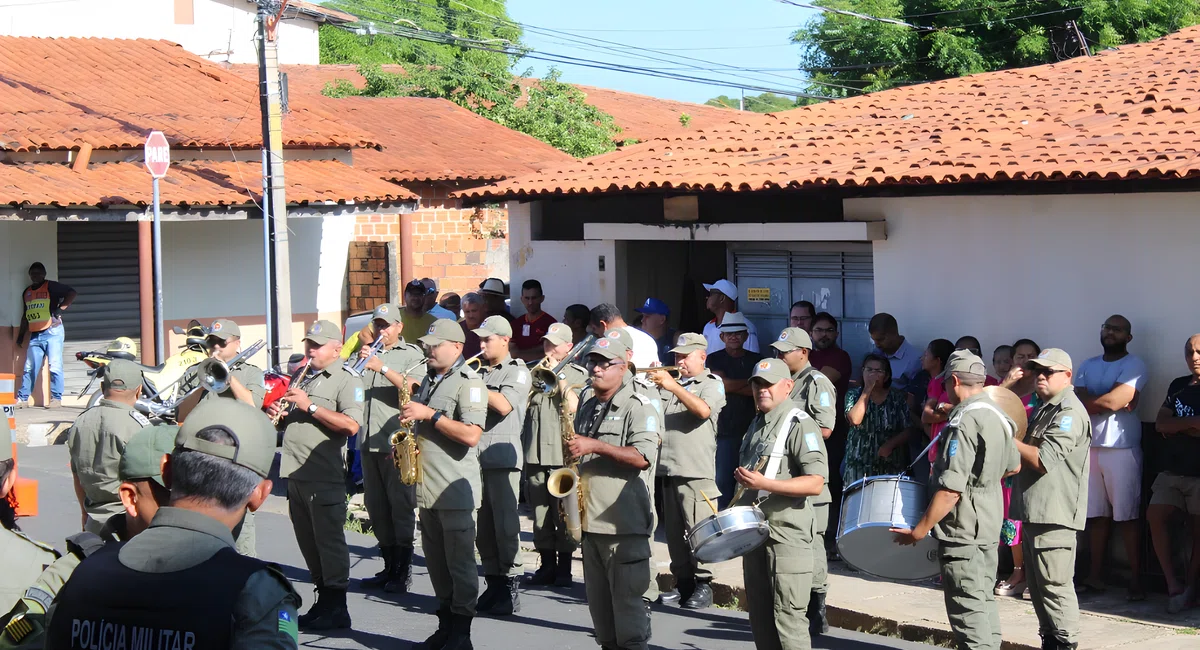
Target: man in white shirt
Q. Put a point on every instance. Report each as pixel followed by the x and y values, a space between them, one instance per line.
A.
pixel 606 316
pixel 1109 385
pixel 722 300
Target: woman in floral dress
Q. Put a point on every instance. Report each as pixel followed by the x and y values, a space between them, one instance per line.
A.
pixel 878 415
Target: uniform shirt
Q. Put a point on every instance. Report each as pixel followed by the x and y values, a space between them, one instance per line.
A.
pixel 712 332
pixel 96 442
pixel 790 519
pixel 906 365
pixel 309 452
pixel 975 451
pixel 1181 452
pixel 22 560
pixel 617 496
pixel 450 477
pixel 179 539
pixel 1062 432
pixel 249 375
pixel 415 326
pixel 381 414
pixel 739 409
pixel 528 333
pixel 542 434
pixel 500 447
pixel 814 393
pixel 689 443
pixel 1113 429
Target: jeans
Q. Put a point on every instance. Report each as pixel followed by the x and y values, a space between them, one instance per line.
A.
pixel 47 344
pixel 728 449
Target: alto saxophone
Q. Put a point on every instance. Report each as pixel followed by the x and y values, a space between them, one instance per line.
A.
pixel 564 483
pixel 406 453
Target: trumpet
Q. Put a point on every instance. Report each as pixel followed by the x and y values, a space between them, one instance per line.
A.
pixel 475 362
pixel 214 374
pixel 356 367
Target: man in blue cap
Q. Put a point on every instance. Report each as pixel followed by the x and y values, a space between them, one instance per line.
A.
pixel 654 322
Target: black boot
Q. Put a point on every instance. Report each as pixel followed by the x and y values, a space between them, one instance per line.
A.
pixel 460 633
pixel 509 599
pixel 318 608
pixel 387 553
pixel 495 585
pixel 438 639
pixel 817 622
pixel 700 598
pixel 545 572
pixel 562 574
pixel 400 579
pixel 336 616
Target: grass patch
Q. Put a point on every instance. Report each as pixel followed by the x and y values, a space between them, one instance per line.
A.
pixel 731 605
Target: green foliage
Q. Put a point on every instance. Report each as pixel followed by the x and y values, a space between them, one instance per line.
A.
pixel 479 80
pixel 764 103
pixel 969 36
pixel 685 120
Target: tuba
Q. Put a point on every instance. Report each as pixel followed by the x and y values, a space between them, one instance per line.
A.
pixel 564 483
pixel 406 453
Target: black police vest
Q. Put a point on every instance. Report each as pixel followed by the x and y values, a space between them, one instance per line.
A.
pixel 106 605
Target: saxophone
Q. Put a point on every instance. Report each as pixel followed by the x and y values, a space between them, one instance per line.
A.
pixel 564 483
pixel 406 453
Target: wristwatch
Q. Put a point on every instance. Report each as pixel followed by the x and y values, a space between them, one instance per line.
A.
pixel 437 415
pixel 384 370
pixel 312 409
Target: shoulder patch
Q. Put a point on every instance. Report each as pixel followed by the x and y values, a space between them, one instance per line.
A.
pixel 811 442
pixel 288 625
pixel 953 449
pixel 1066 422
pixel 522 377
pixel 359 394
pixel 651 423
pixel 476 395
pixel 139 418
pixel 825 399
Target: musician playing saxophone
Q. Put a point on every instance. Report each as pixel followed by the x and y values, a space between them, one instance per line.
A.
pixel 320 411
pixel 543 443
pixel 778 574
pixel 224 342
pixel 391 504
pixel 617 443
pixel 449 410
pixel 688 462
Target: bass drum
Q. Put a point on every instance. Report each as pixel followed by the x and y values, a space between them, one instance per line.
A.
pixel 872 505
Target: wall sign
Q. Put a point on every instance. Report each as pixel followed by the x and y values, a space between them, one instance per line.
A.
pixel 758 294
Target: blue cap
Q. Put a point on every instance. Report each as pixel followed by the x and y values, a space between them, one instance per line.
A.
pixel 654 306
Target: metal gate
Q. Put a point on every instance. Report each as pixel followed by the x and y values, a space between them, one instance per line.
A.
pixel 840 282
pixel 100 261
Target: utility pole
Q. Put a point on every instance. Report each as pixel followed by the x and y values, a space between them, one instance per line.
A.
pixel 742 101
pixel 274 204
pixel 1079 38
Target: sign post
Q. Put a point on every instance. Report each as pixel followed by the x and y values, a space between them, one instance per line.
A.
pixel 158 159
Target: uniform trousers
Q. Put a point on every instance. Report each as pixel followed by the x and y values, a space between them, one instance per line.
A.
pixel 246 540
pixel 318 513
pixel 778 579
pixel 448 539
pixel 652 592
pixel 549 532
pixel 820 572
pixel 683 508
pixel 1050 573
pixel 391 504
pixel 968 579
pixel 499 536
pixel 615 575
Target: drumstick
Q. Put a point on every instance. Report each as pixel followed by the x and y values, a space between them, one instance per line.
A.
pixel 710 502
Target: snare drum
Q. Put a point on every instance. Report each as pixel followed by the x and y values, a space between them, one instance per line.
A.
pixel 731 533
pixel 872 505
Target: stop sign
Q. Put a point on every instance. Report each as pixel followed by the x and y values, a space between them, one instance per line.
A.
pixel 158 154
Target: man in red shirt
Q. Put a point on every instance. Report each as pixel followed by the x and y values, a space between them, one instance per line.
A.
pixel 834 363
pixel 528 330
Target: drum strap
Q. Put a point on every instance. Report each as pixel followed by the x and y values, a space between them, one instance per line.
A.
pixel 781 438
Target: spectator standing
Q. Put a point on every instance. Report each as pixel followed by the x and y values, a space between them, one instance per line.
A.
pixel 834 363
pixel 451 302
pixel 431 301
pixel 1002 361
pixel 937 406
pixel 903 357
pixel 801 315
pixel 970 344
pixel 1177 487
pixel 45 300
pixel 607 317
pixel 416 320
pixel 494 294
pixel 473 308
pixel 1021 382
pixel 654 322
pixel 528 330
pixel 879 424
pixel 1109 385
pixel 722 301
pixel 734 365
pixel 578 317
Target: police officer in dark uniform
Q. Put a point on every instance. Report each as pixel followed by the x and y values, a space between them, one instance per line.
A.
pixel 169 585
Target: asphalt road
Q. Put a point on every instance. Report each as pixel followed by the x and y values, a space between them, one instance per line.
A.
pixel 549 619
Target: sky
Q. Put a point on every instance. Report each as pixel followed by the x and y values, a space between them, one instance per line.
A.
pixel 751 34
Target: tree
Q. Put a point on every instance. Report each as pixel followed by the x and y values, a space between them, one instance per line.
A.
pixel 480 80
pixel 959 37
pixel 764 103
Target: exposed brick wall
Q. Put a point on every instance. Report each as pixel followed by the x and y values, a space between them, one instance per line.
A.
pixel 367 284
pixel 456 246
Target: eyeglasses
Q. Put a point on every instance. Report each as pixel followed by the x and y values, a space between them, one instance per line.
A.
pixel 603 365
pixel 824 330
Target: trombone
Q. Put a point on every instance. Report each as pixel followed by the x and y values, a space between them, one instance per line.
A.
pixel 475 362
pixel 357 366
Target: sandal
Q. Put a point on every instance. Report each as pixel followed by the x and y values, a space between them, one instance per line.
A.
pixel 1009 590
pixel 1089 588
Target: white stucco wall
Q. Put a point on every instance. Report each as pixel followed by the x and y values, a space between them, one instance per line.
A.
pixel 1050 268
pixel 568 270
pixel 22 244
pixel 223 30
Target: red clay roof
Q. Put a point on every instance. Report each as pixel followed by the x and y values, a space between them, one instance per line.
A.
pixel 1129 113
pixel 201 183
pixel 422 139
pixel 56 93
pixel 643 118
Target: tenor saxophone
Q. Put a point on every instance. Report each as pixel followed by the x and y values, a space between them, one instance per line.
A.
pixel 564 483
pixel 406 453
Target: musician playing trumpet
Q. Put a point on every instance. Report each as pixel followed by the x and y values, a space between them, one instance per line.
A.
pixel 224 342
pixel 390 503
pixel 687 463
pixel 778 574
pixel 543 446
pixel 322 408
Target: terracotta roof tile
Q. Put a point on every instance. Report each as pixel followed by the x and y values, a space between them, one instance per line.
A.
pixel 642 118
pixel 201 183
pixel 59 93
pixel 1127 113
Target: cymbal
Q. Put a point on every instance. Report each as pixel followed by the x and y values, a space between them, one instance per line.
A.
pixel 1012 407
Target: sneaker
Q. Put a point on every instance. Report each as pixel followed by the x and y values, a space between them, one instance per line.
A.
pixel 22 404
pixel 54 404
